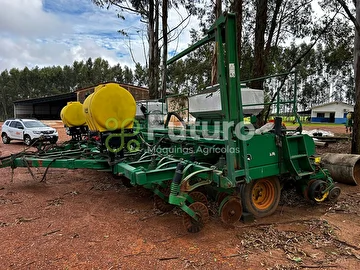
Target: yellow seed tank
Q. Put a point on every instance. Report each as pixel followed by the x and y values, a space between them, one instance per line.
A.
pixel 111 107
pixel 72 114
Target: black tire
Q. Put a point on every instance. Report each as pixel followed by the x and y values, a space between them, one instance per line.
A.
pixel 261 196
pixel 334 194
pixel 27 140
pixel 316 191
pixel 5 138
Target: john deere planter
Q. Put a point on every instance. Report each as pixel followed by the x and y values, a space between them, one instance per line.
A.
pixel 185 164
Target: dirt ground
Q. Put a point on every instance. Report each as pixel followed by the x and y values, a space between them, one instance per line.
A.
pixel 84 219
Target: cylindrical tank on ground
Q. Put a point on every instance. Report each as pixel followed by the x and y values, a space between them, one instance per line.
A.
pixel 111 107
pixel 343 168
pixel 72 114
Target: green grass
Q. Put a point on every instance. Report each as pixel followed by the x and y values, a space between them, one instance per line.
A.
pixel 305 124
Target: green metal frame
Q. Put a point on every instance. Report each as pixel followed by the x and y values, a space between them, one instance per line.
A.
pixel 278 154
pixel 223 32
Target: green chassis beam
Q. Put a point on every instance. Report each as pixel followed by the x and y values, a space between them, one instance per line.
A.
pixel 70 163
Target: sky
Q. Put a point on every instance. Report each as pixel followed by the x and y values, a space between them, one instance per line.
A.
pixel 58 32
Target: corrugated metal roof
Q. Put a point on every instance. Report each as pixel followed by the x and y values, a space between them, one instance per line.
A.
pixel 121 84
pixel 329 103
pixel 66 96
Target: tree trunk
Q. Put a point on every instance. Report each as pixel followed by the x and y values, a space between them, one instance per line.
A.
pixel 260 27
pixel 272 29
pixel 156 50
pixel 217 11
pixel 151 35
pixel 4 105
pixel 238 9
pixel 165 40
pixel 355 143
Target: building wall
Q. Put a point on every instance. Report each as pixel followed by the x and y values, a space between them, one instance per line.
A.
pixel 323 114
pixel 23 111
pixel 139 93
pixel 82 94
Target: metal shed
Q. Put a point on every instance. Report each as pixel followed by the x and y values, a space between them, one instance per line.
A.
pixel 48 108
pixel 45 108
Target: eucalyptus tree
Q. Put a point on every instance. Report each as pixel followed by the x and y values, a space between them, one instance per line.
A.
pixel 140 75
pixel 79 76
pixel 37 82
pixel 101 71
pixel 128 75
pixel 176 77
pixel 151 12
pixel 351 11
pixel 274 23
pixel 193 73
pixel 5 95
pixel 117 73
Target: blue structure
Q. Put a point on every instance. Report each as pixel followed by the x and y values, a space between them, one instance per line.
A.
pixel 332 112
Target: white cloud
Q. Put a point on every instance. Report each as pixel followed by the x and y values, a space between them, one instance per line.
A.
pixel 26 18
pixel 57 32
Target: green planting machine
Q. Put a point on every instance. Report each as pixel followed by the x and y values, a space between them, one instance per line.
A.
pixel 219 157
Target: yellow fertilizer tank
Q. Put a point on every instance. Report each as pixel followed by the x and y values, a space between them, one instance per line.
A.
pixel 110 107
pixel 72 114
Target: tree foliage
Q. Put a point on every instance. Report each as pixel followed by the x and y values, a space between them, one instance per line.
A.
pixel 274 36
pixel 153 13
pixel 280 36
pixel 28 83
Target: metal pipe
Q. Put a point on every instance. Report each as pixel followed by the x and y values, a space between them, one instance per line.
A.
pixel 343 168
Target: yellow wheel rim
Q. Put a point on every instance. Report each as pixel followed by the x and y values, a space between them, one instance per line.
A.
pixel 324 196
pixel 263 194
